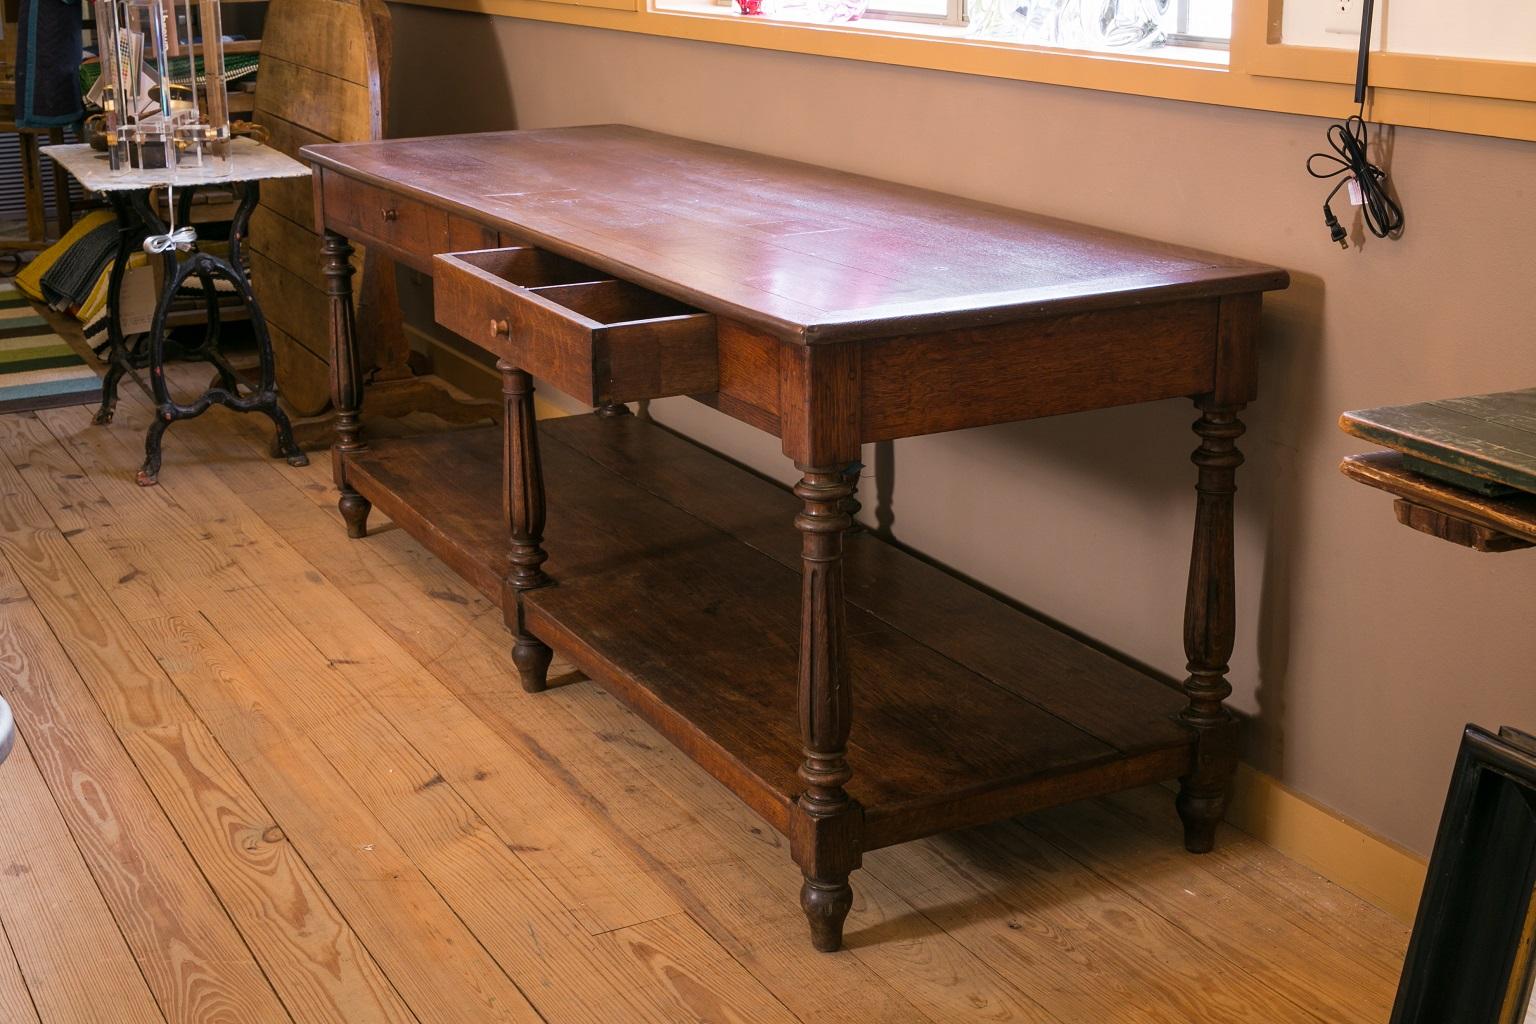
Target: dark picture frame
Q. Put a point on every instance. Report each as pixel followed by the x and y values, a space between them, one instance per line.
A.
pixel 1470 958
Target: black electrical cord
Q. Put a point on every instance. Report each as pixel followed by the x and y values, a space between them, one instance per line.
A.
pixel 1350 141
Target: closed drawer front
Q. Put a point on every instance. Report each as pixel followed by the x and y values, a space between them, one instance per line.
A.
pixel 412 231
pixel 595 338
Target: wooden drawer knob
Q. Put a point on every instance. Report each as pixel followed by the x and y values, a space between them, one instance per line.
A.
pixel 501 329
pixel 391 215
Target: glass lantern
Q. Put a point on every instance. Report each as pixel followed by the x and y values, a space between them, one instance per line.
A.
pixel 162 83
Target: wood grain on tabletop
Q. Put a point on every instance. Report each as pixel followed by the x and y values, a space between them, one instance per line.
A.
pixel 801 251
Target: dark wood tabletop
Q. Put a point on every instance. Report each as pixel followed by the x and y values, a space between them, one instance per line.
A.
pixel 802 252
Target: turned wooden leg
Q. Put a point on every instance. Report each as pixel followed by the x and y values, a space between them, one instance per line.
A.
pixel 523 503
pixel 1210 621
pixel 851 504
pixel 346 379
pixel 826 827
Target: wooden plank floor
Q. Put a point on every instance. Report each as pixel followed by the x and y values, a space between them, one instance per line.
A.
pixel 271 775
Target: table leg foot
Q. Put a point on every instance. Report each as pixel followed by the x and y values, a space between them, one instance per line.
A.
pixel 109 384
pixel 149 474
pixel 532 658
pixel 284 445
pixel 826 903
pixel 1201 808
pixel 354 511
pixel 1205 791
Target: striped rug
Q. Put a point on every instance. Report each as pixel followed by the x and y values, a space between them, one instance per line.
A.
pixel 38 369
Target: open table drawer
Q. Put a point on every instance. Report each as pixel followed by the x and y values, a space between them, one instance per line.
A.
pixel 593 337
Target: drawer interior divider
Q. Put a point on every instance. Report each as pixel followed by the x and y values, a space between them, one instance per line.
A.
pixel 587 333
pixel 613 302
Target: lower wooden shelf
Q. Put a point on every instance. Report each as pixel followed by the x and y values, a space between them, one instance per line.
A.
pixel 678 588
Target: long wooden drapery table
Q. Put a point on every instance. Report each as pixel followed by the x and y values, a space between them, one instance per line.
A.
pixel 851 694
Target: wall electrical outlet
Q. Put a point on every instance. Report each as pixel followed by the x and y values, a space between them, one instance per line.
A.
pixel 1343 17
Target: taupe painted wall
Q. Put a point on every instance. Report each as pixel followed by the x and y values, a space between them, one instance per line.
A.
pixel 1363 647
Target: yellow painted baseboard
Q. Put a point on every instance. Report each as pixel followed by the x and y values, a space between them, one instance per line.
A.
pixel 1375 869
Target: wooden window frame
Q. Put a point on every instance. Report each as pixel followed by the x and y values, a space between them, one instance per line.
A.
pixel 1258 49
pixel 1479 97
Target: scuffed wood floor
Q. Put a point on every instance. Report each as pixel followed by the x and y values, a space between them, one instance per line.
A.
pixel 270 775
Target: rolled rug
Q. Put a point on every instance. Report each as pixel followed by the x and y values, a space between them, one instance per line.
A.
pixel 7 730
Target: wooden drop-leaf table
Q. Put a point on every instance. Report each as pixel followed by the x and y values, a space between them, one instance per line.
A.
pixel 851 694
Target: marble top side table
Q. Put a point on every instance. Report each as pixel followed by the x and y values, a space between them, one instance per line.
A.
pixel 130 195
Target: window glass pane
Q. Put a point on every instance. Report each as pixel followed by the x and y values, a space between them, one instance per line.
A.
pixel 1211 19
pixel 1100 24
pixel 921 8
pixel 1095 25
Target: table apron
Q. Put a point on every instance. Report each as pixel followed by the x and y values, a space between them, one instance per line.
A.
pixel 907 385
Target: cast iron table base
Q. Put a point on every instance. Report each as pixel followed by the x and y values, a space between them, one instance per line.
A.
pixel 136 215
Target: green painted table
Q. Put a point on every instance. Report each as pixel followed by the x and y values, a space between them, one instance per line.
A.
pixel 1462 469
